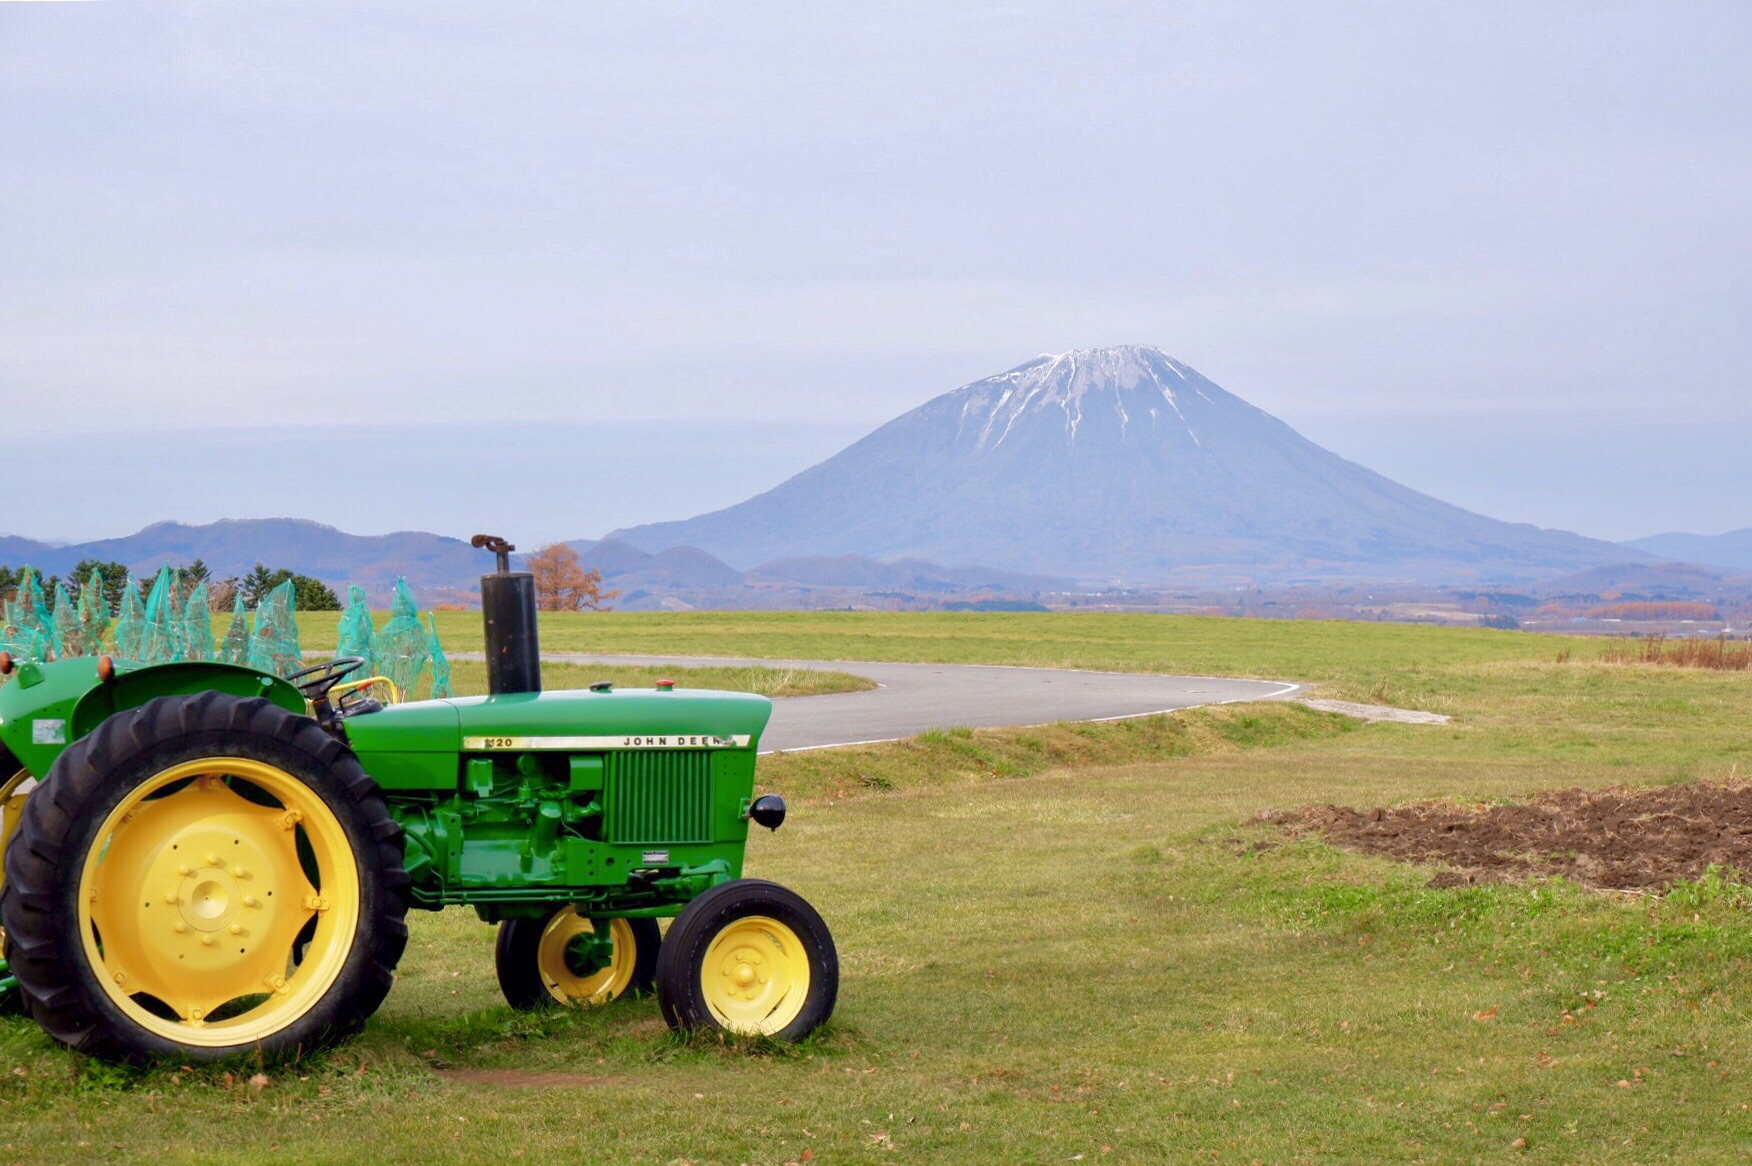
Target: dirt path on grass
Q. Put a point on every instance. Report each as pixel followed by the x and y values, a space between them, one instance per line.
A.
pixel 520 1079
pixel 1371 713
pixel 1617 839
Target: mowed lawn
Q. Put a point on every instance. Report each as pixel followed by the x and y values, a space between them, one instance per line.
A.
pixel 1098 963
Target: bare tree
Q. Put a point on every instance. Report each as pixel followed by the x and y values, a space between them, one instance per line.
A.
pixel 562 583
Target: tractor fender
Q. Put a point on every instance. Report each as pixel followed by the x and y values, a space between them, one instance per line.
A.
pixel 48 706
pixel 135 686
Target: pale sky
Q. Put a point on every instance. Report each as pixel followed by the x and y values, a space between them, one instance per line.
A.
pixel 658 257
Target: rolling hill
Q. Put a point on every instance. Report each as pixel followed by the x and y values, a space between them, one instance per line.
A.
pixel 1733 549
pixel 230 547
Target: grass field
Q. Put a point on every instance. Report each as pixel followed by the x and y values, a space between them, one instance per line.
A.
pixel 1051 958
pixel 1352 659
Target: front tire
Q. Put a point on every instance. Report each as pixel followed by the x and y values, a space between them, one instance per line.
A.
pixel 560 959
pixel 748 957
pixel 204 877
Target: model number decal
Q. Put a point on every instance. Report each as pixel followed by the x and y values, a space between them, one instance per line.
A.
pixel 659 741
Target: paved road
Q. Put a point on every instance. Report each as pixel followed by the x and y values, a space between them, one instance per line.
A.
pixel 916 697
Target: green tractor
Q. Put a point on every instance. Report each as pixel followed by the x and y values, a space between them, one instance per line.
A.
pixel 205 861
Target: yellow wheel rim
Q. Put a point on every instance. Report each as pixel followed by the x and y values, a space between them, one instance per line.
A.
pixel 755 976
pixel 597 986
pixel 194 895
pixel 12 795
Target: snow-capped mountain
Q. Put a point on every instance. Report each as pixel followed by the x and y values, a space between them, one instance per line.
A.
pixel 1118 464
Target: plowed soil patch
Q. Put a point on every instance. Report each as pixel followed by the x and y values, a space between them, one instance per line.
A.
pixel 1617 839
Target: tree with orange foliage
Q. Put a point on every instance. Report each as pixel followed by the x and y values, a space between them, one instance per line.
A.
pixel 562 583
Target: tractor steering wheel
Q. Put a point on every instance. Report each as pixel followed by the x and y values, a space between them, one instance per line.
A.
pixel 324 676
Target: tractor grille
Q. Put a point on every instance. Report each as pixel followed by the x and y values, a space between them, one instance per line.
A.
pixel 659 796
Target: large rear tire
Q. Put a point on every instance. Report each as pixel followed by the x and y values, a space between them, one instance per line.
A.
pixel 751 958
pixel 204 877
pixel 13 792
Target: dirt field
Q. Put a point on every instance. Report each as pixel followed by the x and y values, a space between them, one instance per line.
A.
pixel 1616 839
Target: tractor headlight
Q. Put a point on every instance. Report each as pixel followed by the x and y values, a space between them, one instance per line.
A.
pixel 768 810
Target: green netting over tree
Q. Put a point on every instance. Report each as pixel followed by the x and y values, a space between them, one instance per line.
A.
pixel 161 641
pixel 68 640
pixel 401 648
pixel 354 636
pixel 165 628
pixel 15 640
pixel 132 624
pixel 197 625
pixel 235 648
pixel 25 645
pixel 440 664
pixel 273 646
pixel 94 615
pixel 28 629
pixel 29 612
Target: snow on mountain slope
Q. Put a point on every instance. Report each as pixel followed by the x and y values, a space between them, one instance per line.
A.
pixel 1075 382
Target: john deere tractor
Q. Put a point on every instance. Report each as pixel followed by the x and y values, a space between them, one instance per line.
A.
pixel 205 861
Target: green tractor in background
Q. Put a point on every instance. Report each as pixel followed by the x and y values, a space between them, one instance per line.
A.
pixel 205 861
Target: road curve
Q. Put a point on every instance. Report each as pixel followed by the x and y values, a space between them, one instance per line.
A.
pixel 916 697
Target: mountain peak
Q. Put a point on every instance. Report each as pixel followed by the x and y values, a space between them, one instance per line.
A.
pixel 1132 386
pixel 1128 363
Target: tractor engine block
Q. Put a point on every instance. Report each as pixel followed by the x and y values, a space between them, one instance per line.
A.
pixel 629 831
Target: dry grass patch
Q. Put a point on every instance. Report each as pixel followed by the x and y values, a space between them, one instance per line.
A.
pixel 1720 654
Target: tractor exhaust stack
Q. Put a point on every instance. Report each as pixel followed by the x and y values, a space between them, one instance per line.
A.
pixel 508 609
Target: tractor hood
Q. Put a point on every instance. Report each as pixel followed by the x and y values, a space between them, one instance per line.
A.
pixel 571 721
